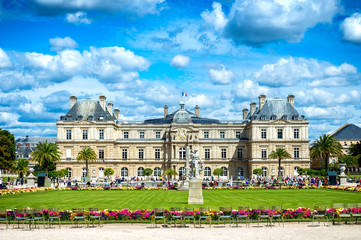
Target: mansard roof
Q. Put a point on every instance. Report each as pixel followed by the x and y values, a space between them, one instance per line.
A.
pixel 348 132
pixel 275 109
pixel 87 109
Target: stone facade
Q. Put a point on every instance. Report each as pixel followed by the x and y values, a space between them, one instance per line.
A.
pixel 236 146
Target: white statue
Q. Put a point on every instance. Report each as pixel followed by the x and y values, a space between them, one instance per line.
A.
pixel 196 164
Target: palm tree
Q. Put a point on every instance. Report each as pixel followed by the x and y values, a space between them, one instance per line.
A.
pixel 46 153
pixel 325 147
pixel 279 154
pixel 21 166
pixel 87 155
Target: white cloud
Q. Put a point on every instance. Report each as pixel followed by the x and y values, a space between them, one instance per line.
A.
pixel 180 61
pixel 327 113
pixel 201 100
pixel 351 28
pixel 34 108
pixel 249 89
pixel 289 71
pixel 319 97
pixel 4 60
pixel 58 43
pixel 8 117
pixel 221 76
pixel 256 22
pixel 78 18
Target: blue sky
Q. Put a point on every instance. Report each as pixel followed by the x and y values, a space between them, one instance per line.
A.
pixel 141 54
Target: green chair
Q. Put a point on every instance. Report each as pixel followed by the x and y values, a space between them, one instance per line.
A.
pixel 19 216
pixel 264 214
pixel 203 215
pixel 346 215
pixel 354 215
pixel 38 215
pixel 243 217
pixel 320 213
pixel 29 217
pixel 225 213
pixel 188 214
pixel 278 215
pixel 78 215
pixel 53 216
pixel 158 214
pixel 176 215
pixel 94 216
pixel 3 217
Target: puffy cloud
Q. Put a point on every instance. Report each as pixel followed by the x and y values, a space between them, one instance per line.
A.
pixel 8 118
pixel 180 61
pixel 326 113
pixel 4 60
pixel 288 72
pixel 249 89
pixel 78 18
pixel 58 44
pixel 319 97
pixel 221 76
pixel 201 100
pixel 351 28
pixel 256 22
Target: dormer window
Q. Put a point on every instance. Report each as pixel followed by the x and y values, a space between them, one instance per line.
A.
pixel 295 117
pixel 284 117
pixel 273 117
pixel 263 117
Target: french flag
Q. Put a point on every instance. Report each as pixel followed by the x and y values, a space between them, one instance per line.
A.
pixel 184 94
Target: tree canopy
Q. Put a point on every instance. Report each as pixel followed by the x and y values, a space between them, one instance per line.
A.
pixel 7 149
pixel 46 154
pixel 86 155
pixel 279 154
pixel 148 171
pixel 108 172
pixel 21 166
pixel 218 172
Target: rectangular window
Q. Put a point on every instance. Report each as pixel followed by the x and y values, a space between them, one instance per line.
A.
pixel 126 134
pixel 207 153
pixel 141 134
pixel 101 153
pixel 68 134
pixel 141 153
pixel 279 133
pixel 101 133
pixel 125 153
pixel 85 134
pixel 240 153
pixel 296 133
pixel 222 134
pixel 264 153
pixel 157 153
pixel 224 153
pixel 206 134
pixel 296 153
pixel 68 154
pixel 263 133
pixel 238 135
pixel 157 134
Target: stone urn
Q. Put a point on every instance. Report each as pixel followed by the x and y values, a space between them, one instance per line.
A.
pixel 342 169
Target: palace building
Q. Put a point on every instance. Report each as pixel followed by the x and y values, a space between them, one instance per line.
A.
pixel 238 147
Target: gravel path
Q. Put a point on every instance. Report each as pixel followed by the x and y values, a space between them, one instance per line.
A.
pixel 144 231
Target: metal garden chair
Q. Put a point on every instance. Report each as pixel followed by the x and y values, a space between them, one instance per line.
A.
pixel 203 214
pixel 78 215
pixel 3 217
pixel 243 217
pixel 19 216
pixel 354 215
pixel 53 216
pixel 277 215
pixel 176 215
pixel 38 215
pixel 345 215
pixel 224 214
pixel 94 216
pixel 264 214
pixel 158 214
pixel 188 214
pixel 29 217
pixel 320 213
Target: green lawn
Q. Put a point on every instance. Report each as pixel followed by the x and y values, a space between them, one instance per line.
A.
pixel 288 198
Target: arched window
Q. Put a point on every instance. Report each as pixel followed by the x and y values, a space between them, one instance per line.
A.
pixel 182 172
pixel 282 171
pixel 101 172
pixel 140 172
pixel 225 174
pixel 241 172
pixel 157 172
pixel 124 172
pixel 84 172
pixel 265 170
pixel 69 173
pixel 182 153
pixel 207 172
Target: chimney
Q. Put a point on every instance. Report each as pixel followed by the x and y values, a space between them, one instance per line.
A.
pixel 291 100
pixel 165 111
pixel 116 113
pixel 262 101
pixel 197 110
pixel 245 113
pixel 253 107
pixel 102 101
pixel 110 108
pixel 72 101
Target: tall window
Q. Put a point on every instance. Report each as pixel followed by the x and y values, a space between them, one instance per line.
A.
pixel 207 172
pixel 296 133
pixel 126 134
pixel 101 133
pixel 141 134
pixel 68 154
pixel 207 153
pixel 85 134
pixel 241 172
pixel 222 134
pixel 279 133
pixel 238 135
pixel 69 173
pixel 157 172
pixel 101 172
pixel 68 134
pixel 84 172
pixel 124 153
pixel 182 171
pixel 263 153
pixel 124 172
pixel 141 153
pixel 101 153
pixel 263 133
pixel 206 134
pixel 157 153
pixel 157 134
pixel 264 172
pixel 240 153
pixel 225 173
pixel 296 153
pixel 182 153
pixel 224 153
pixel 140 172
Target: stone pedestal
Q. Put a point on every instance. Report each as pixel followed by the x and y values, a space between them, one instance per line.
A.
pixel 342 179
pixel 185 186
pixel 195 191
pixel 31 180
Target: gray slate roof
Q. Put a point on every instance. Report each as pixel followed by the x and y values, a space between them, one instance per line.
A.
pixel 348 132
pixel 87 109
pixel 275 109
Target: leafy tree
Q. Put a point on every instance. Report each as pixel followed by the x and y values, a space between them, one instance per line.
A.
pixel 108 172
pixel 86 155
pixel 325 147
pixel 302 171
pixel 38 168
pixel 170 172
pixel 148 171
pixel 279 154
pixel 350 161
pixel 59 173
pixel 21 166
pixel 218 172
pixel 7 149
pixel 46 154
pixel 258 171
